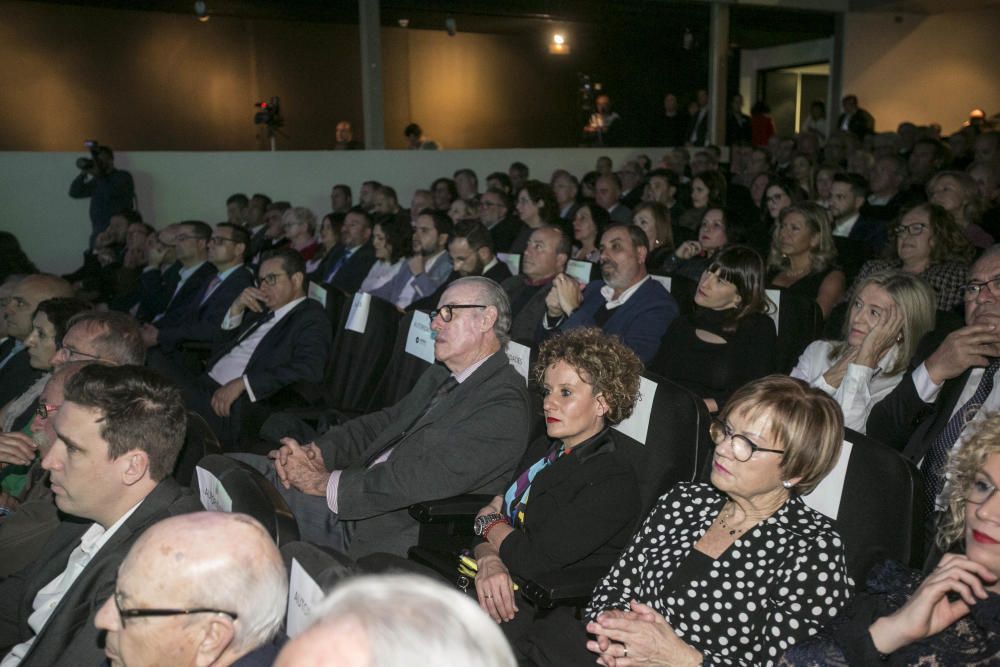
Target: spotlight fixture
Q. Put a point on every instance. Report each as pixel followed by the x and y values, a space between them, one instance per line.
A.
pixel 559 46
pixel 201 11
pixel 404 23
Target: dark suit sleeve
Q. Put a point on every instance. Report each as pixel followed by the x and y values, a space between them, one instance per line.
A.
pixel 894 419
pixel 13 629
pixel 310 350
pixel 203 323
pixel 574 526
pixel 442 460
pixel 647 326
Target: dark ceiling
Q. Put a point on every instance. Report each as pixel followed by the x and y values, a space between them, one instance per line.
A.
pixel 752 26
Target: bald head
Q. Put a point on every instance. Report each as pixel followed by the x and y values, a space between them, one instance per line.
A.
pixel 26 296
pixel 206 560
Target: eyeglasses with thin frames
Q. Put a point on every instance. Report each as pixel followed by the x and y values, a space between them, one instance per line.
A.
pixel 141 613
pixel 971 290
pixel 743 447
pixel 980 491
pixel 77 353
pixel 446 313
pixel 271 279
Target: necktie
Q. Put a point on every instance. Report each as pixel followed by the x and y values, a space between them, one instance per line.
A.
pixel 267 317
pixel 936 457
pixel 336 266
pixel 436 397
pixel 210 289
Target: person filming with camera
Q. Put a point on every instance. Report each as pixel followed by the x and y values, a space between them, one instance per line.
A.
pixel 110 190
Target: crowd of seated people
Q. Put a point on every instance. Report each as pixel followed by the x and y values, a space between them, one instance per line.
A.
pixel 889 237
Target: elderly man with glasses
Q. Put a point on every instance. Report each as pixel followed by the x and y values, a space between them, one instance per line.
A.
pixel 207 588
pixel 462 429
pixel 939 403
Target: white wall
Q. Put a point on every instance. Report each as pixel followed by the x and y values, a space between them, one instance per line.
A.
pixel 54 229
pixel 923 69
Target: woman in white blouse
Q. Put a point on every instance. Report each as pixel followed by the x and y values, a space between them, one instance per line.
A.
pixel 392 242
pixel 889 313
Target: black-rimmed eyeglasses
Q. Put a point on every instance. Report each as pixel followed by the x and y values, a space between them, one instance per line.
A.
pixel 446 313
pixel 140 613
pixel 271 279
pixel 743 447
pixel 46 410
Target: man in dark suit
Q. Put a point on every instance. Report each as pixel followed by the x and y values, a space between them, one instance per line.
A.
pixel 857 237
pixel 16 373
pixel 927 414
pixel 495 213
pixel 194 272
pixel 855 120
pixel 471 251
pixel 277 339
pixel 697 132
pixel 461 429
pixel 114 485
pixel 220 560
pixel 201 320
pixel 627 303
pixel 886 199
pixel 544 258
pixel 737 123
pixel 348 263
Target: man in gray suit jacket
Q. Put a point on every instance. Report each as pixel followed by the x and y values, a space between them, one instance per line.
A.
pixel 429 266
pixel 462 429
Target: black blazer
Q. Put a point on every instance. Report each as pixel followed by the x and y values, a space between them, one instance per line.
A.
pixel 16 376
pixel 581 512
pixel 177 307
pixel 296 349
pixel 201 321
pixel 69 638
pixel 155 288
pixel 505 232
pixel 903 421
pixel 354 271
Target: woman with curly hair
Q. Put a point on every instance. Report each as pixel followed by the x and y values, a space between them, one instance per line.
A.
pixel 926 242
pixel 802 256
pixel 949 616
pixel 575 502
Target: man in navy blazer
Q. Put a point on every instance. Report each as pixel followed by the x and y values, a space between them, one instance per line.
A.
pixel 227 250
pixel 348 263
pixel 627 303
pixel 195 271
pixel 277 338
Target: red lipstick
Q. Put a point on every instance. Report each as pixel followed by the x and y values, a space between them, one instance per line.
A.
pixel 982 538
pixel 551 420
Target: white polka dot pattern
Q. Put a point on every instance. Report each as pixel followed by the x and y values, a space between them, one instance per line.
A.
pixel 777 584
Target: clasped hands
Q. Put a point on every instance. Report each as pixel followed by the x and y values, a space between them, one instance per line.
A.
pixel 301 467
pixel 638 636
pixel 564 297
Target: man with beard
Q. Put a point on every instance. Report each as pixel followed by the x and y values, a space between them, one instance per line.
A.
pixel 627 303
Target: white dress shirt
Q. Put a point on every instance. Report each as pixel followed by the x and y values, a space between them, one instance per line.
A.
pixel 49 597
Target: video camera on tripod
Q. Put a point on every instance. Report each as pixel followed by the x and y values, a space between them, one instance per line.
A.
pixel 85 163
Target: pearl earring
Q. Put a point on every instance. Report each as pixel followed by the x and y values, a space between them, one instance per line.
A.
pixel 786 484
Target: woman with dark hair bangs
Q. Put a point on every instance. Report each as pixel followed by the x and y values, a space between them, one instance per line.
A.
pixel 730 339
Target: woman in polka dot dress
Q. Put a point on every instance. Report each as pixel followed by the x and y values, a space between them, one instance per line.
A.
pixel 736 571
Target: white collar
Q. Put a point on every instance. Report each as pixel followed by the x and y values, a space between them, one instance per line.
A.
pixel 607 292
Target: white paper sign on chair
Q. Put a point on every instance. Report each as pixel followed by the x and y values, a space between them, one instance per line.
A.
pixel 214 496
pixel 420 338
pixel 317 293
pixel 303 596
pixel 579 270
pixel 357 319
pixel 520 358
pixel 637 425
pixel 513 262
pixel 826 497
pixel 775 296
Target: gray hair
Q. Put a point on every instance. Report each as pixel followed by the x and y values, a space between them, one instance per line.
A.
pixel 413 620
pixel 116 336
pixel 492 295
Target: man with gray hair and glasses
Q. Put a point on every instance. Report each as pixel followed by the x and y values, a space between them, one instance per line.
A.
pixel 398 621
pixel 462 429
pixel 207 588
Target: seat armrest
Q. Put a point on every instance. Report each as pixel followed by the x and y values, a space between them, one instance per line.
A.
pixel 562 588
pixel 448 509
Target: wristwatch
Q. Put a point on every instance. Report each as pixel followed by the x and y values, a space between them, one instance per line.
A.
pixel 485 521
